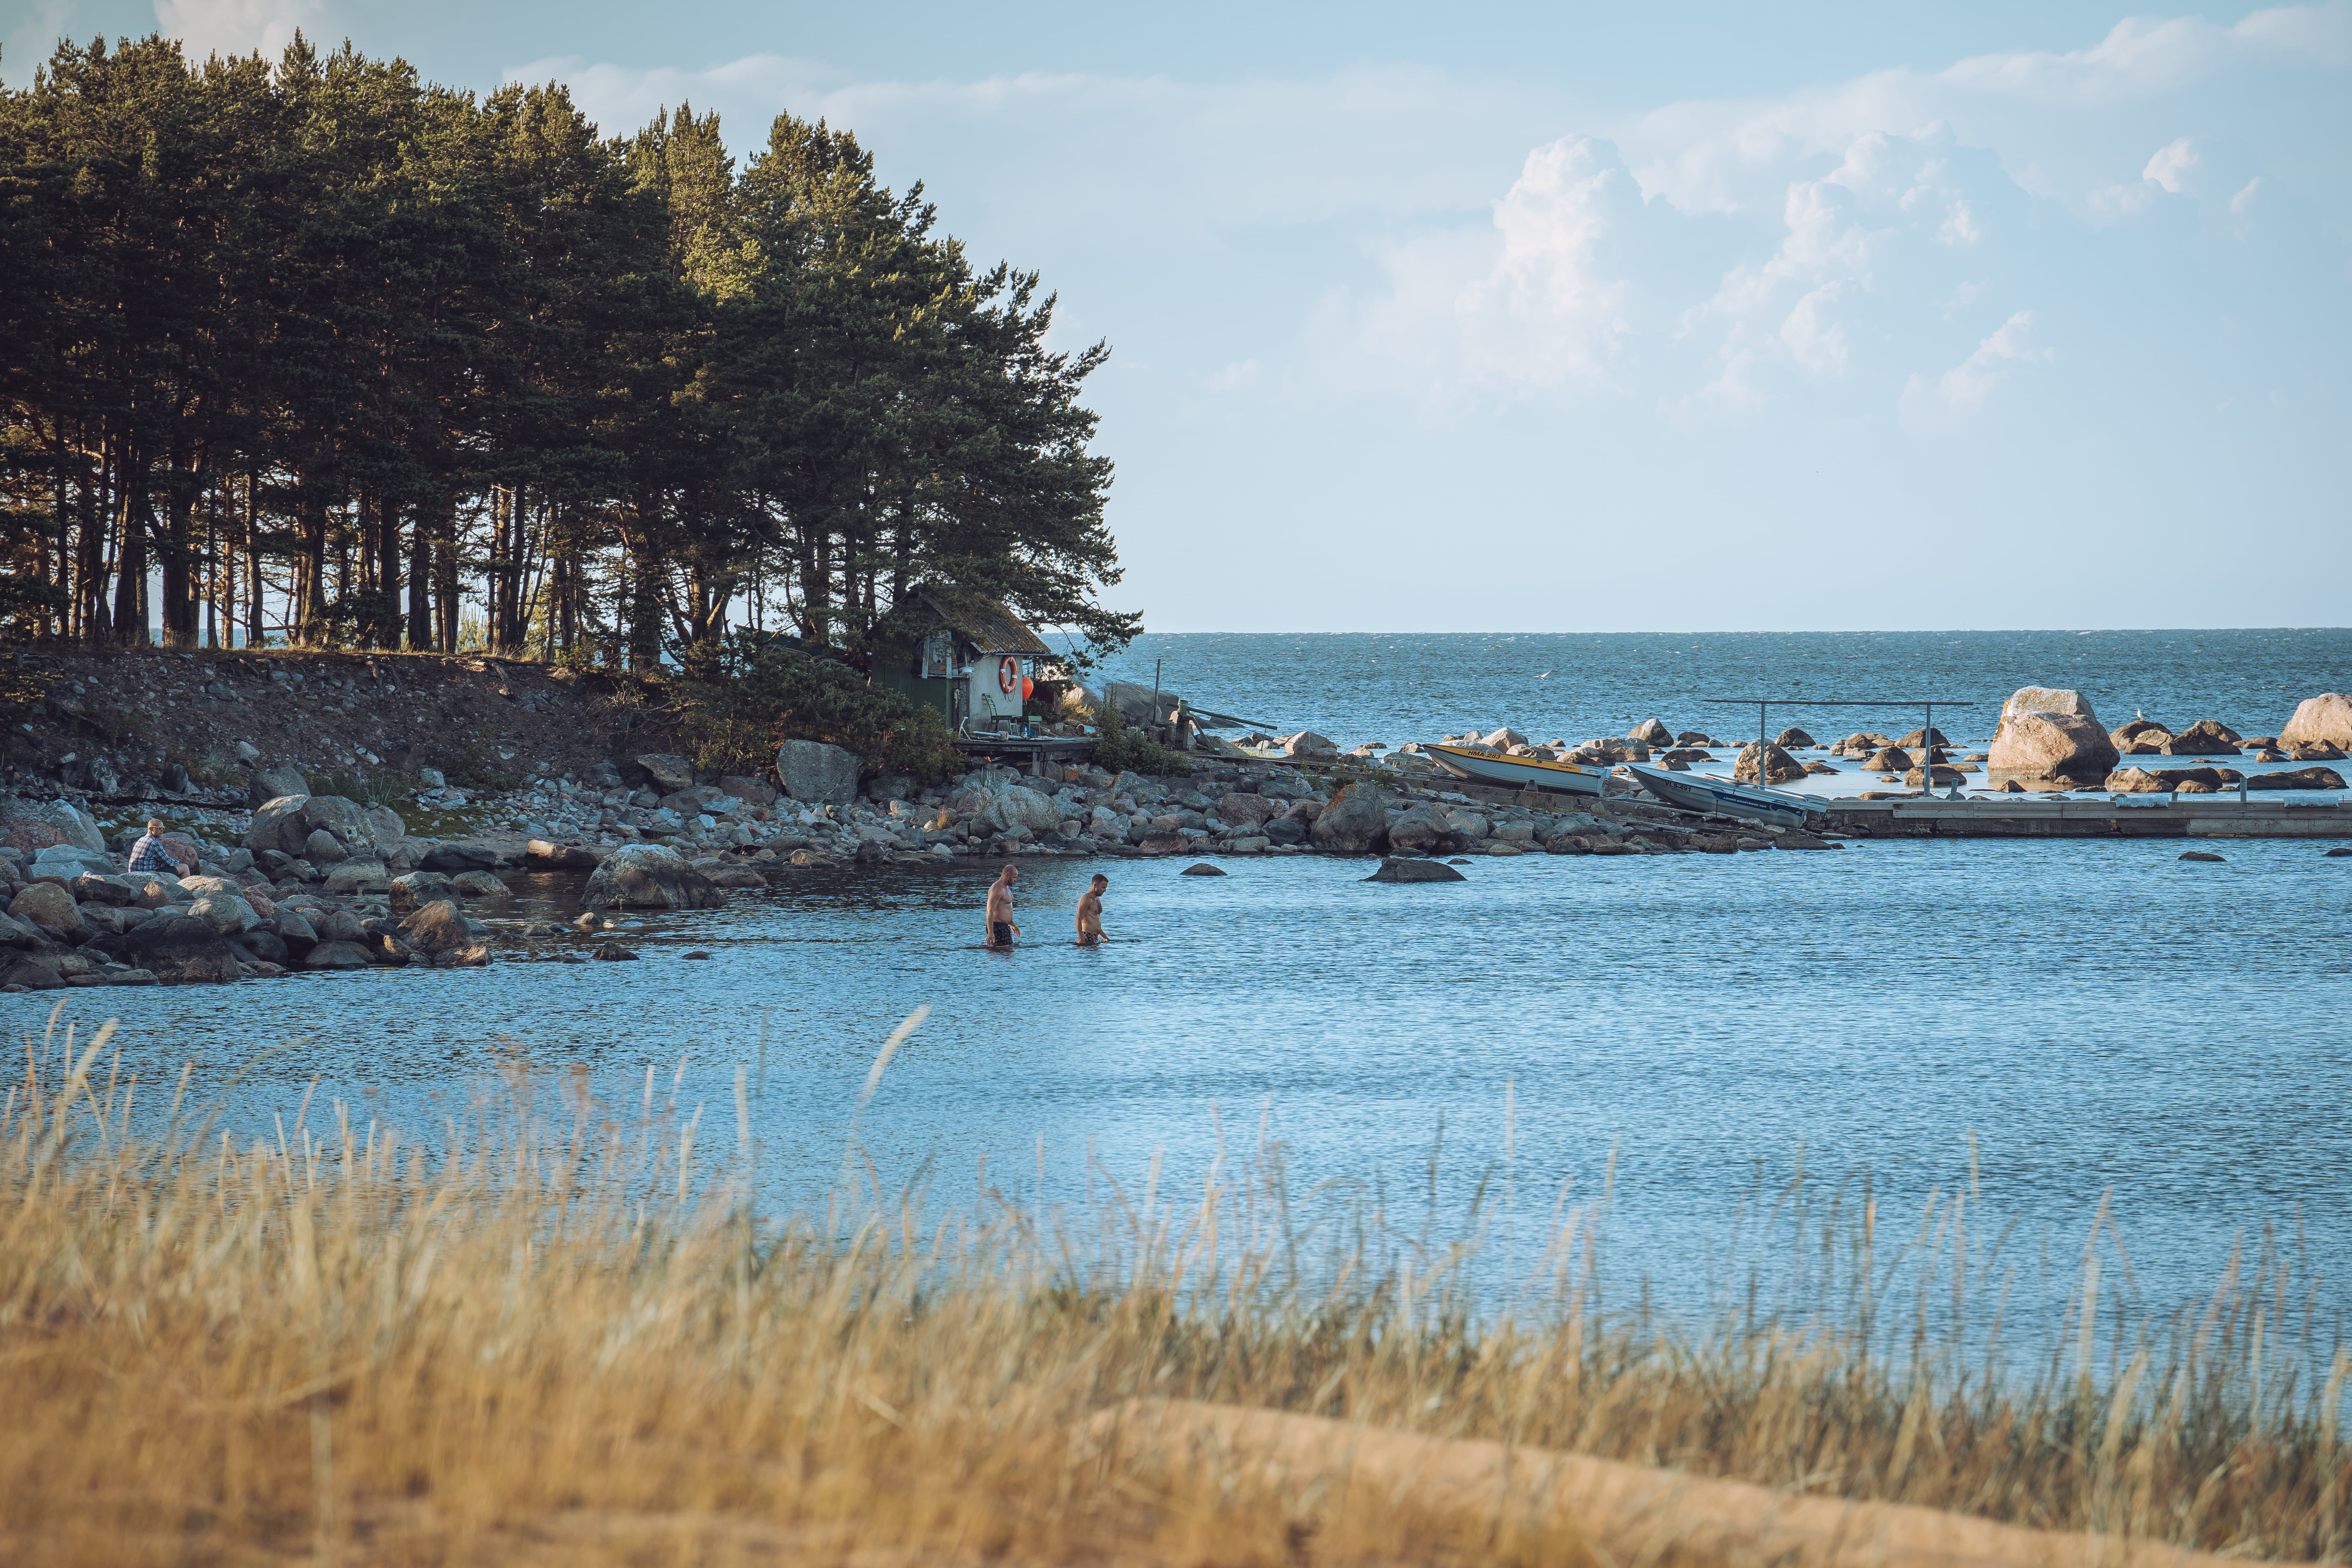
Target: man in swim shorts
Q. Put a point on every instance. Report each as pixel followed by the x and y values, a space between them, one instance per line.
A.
pixel 1090 931
pixel 1001 927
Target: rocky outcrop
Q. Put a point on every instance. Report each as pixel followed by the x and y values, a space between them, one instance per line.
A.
pixel 1651 731
pixel 1395 870
pixel 2141 737
pixel 415 889
pixel 451 857
pixel 1779 766
pixel 648 877
pixel 1794 737
pixel 2205 738
pixel 2327 717
pixel 338 955
pixel 1309 746
pixel 1251 809
pixel 1504 739
pixel 1353 823
pixel 814 772
pixel 2049 739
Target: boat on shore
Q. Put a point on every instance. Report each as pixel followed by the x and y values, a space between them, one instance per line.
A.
pixel 1520 773
pixel 1707 793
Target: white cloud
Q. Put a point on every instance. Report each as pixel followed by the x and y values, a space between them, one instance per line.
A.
pixel 1962 390
pixel 236 27
pixel 2170 165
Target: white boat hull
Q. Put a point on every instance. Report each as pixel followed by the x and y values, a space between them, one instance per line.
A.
pixel 1700 792
pixel 1520 773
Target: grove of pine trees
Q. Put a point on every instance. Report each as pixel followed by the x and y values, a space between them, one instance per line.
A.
pixel 316 352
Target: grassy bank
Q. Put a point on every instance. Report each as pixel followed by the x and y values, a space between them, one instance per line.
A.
pixel 555 1335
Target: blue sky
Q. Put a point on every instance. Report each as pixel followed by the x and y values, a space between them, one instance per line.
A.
pixel 1596 318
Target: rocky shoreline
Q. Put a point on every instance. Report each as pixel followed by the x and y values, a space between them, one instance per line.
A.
pixel 306 880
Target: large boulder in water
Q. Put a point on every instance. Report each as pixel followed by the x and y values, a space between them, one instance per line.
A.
pixel 2299 778
pixel 813 772
pixel 2049 737
pixel 648 877
pixel 2327 717
pixel 1651 731
pixel 1395 870
pixel 2141 737
pixel 184 949
pixel 2205 738
pixel 1779 766
pixel 1354 823
pixel 435 927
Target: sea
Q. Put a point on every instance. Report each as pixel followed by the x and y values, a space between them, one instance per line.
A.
pixel 2101 1049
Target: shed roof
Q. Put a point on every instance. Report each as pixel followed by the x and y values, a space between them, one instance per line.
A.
pixel 974 615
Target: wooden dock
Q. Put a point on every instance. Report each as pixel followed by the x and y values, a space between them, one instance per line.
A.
pixel 2024 817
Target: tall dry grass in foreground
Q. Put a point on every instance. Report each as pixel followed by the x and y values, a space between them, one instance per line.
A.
pixel 547 1339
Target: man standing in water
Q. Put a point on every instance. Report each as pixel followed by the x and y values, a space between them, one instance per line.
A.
pixel 1001 929
pixel 1090 931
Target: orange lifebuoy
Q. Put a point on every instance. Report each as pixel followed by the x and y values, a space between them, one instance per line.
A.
pixel 1008 674
pixel 1028 689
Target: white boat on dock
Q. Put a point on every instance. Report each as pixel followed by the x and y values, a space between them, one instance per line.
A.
pixel 1709 792
pixel 1520 773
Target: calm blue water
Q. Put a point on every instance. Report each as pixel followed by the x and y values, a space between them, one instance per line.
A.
pixel 2097 1015
pixel 1358 686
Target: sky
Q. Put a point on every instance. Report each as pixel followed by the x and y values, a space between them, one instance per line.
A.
pixel 1593 318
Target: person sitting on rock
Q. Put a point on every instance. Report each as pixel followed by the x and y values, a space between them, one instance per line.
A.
pixel 151 854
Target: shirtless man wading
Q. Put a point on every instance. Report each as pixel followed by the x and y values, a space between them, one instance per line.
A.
pixel 1001 927
pixel 1090 931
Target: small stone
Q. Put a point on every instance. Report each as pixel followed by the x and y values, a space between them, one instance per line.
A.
pixel 2341 851
pixel 613 952
pixel 1202 869
pixel 2198 855
pixel 697 952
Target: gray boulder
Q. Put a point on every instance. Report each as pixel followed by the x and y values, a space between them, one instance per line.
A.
pixel 482 885
pixel 180 948
pixel 1252 809
pixel 1422 830
pixel 323 848
pixel 368 875
pixel 1395 870
pixel 225 913
pixel 271 783
pixel 1307 743
pixel 1779 767
pixel 346 820
pixel 669 772
pixel 1014 808
pixel 415 889
pixel 337 924
pixel 2299 778
pixel 35 825
pixel 294 930
pixel 815 773
pixel 47 906
pixel 1354 823
pixel 1651 731
pixel 452 857
pixel 648 876
pixel 385 826
pixel 2205 738
pixel 338 955
pixel 277 825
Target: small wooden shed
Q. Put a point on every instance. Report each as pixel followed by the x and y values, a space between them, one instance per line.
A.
pixel 961 652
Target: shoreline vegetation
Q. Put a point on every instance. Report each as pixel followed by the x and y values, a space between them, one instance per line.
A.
pixel 559 1331
pixel 310 352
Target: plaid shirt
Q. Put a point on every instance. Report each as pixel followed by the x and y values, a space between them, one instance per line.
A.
pixel 149 855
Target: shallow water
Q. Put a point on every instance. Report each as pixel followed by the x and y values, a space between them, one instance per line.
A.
pixel 2098 1015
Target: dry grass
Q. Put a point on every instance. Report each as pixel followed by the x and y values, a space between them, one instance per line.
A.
pixel 558 1336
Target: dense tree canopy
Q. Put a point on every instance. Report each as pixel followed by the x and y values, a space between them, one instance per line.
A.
pixel 315 352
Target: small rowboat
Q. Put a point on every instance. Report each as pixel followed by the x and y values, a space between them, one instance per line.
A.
pixel 1520 773
pixel 1704 792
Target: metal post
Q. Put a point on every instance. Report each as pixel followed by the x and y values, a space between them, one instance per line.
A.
pixel 1927 758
